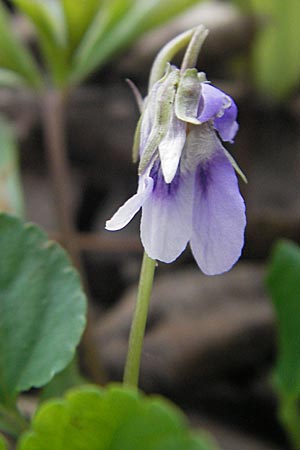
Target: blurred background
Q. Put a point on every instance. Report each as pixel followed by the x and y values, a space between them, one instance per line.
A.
pixel 210 342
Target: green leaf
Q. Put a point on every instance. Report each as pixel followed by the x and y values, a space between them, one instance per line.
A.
pixel 276 62
pixel 47 17
pixel 11 195
pixel 284 284
pixel 14 56
pixel 78 16
pixel 116 418
pixel 11 79
pixel 110 14
pixel 118 24
pixel 3 445
pixel 70 377
pixel 42 308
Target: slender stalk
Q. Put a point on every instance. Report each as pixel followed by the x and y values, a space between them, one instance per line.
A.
pixel 137 332
pixel 53 117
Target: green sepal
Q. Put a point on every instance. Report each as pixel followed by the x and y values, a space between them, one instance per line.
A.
pixel 236 166
pixel 192 52
pixel 136 140
pixel 188 96
pixel 164 102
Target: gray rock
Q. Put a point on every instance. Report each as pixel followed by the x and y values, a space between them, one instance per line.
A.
pixel 229 438
pixel 199 328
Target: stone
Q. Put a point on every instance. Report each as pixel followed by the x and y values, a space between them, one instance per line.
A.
pixel 200 328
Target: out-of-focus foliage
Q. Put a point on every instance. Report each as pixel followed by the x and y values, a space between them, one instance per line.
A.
pixel 284 285
pixel 69 378
pixel 48 19
pixel 14 56
pixel 3 445
pixel 78 37
pixel 11 196
pixel 42 308
pixel 118 23
pixel 276 48
pixel 115 418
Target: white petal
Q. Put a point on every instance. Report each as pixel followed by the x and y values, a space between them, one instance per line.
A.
pixel 126 212
pixel 171 146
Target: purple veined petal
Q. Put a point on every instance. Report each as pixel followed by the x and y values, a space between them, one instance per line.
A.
pixel 170 147
pixel 218 216
pixel 227 125
pixel 167 216
pixel 126 212
pixel 212 102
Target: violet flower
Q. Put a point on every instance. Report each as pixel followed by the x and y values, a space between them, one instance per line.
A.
pixel 187 189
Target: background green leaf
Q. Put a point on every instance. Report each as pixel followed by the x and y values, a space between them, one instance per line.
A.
pixel 63 381
pixel 117 25
pixel 11 79
pixel 48 19
pixel 117 418
pixel 78 16
pixel 276 49
pixel 42 308
pixel 11 195
pixel 3 445
pixel 284 284
pixel 14 56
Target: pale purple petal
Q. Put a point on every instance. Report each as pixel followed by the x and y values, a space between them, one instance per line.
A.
pixel 227 125
pixel 212 102
pixel 167 216
pixel 171 146
pixel 126 212
pixel 215 104
pixel 218 216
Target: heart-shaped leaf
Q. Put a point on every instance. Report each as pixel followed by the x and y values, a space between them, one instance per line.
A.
pixel 116 418
pixel 42 308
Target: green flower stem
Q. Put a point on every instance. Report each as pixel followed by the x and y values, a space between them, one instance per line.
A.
pixel 137 332
pixel 289 415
